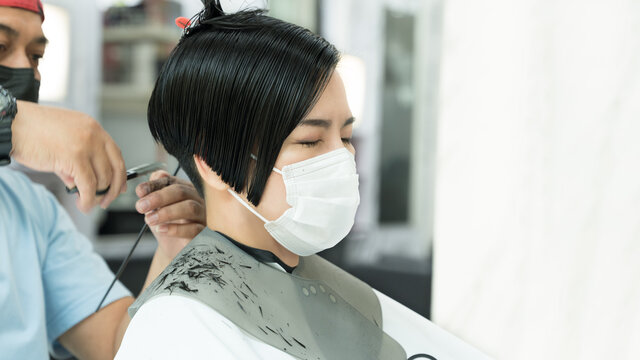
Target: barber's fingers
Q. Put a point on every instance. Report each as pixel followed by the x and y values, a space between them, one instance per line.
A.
pixel 153 185
pixel 103 172
pixel 186 210
pixel 67 180
pixel 159 180
pixel 158 174
pixel 166 196
pixel 85 180
pixel 118 181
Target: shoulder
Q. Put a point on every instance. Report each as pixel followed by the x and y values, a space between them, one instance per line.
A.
pixel 21 197
pixel 27 210
pixel 174 326
pixel 176 309
pixel 15 182
pixel 14 187
pixel 416 334
pixel 10 176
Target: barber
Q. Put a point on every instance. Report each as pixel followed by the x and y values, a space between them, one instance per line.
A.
pixel 68 143
pixel 50 278
pixel 71 144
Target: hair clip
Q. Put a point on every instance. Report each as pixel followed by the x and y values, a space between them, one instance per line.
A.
pixel 182 22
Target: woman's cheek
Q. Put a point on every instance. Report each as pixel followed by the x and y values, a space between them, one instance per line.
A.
pixel 273 203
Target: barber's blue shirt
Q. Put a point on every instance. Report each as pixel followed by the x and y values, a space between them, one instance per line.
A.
pixel 50 278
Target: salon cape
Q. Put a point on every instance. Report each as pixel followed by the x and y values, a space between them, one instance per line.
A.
pixel 179 327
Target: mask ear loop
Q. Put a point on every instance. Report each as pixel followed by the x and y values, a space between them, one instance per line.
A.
pixel 233 193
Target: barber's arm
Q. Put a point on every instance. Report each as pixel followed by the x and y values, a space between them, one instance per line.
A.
pixel 73 146
pixel 175 213
pixel 99 335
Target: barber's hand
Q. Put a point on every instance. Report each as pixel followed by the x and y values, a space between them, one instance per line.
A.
pixel 173 209
pixel 73 146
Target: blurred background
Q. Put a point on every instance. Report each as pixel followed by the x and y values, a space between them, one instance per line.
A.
pixel 497 146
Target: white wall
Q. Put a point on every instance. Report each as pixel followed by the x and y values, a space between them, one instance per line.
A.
pixel 537 228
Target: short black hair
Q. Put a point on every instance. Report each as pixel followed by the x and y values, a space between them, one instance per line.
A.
pixel 235 85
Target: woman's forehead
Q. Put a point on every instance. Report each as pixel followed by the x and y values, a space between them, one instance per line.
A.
pixel 332 104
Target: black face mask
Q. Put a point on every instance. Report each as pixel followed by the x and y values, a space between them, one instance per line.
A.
pixel 21 83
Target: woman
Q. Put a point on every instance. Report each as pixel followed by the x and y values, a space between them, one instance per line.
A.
pixel 252 108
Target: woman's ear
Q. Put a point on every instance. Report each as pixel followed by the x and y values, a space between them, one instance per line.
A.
pixel 209 176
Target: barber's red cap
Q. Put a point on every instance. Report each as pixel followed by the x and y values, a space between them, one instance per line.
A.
pixel 31 5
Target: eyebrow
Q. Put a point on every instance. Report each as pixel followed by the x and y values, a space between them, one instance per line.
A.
pixel 324 123
pixel 41 40
pixel 8 30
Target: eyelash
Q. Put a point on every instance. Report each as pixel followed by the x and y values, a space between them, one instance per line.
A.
pixel 346 141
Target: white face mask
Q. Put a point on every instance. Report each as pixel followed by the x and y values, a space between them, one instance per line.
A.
pixel 323 194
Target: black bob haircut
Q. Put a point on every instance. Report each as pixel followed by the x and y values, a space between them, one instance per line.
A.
pixel 235 85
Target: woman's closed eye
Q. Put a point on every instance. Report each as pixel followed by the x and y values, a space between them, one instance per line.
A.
pixel 309 143
pixel 346 141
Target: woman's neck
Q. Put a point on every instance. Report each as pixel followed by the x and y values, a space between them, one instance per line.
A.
pixel 226 215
